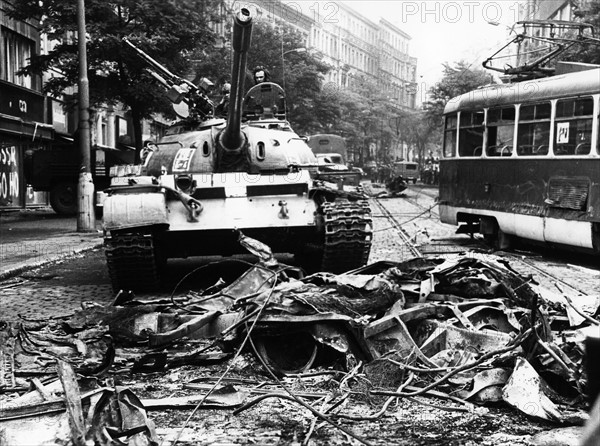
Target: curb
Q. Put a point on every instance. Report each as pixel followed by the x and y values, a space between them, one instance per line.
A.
pixel 22 268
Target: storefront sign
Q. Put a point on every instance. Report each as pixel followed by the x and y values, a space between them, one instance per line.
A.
pixel 21 102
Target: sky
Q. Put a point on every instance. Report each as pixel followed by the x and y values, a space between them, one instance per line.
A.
pixel 445 31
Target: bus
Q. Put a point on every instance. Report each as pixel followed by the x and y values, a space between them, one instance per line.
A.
pixel 522 161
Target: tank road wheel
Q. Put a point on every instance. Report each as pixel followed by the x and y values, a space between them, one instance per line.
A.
pixel 63 198
pixel 348 235
pixel 134 261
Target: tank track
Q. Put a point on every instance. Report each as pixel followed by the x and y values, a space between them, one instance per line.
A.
pixel 132 261
pixel 348 235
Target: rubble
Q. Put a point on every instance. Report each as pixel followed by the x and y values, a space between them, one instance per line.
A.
pixel 466 330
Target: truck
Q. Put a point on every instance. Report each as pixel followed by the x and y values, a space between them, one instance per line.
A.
pixel 332 157
pixel 408 170
pixel 56 170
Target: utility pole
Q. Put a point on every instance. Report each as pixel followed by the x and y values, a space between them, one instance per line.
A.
pixel 86 219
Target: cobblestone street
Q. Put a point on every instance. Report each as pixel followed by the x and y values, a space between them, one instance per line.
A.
pixel 62 286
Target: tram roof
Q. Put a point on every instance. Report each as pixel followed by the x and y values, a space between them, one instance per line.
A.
pixel 571 84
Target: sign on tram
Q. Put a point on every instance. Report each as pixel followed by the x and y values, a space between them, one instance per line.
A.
pixel 562 132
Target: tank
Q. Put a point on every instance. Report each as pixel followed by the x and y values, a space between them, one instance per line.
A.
pixel 209 180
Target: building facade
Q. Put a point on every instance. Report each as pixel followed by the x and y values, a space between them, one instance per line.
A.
pixel 32 122
pixel 351 44
pixel 24 125
pixel 547 10
pixel 553 11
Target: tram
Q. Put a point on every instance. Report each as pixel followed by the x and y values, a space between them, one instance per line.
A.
pixel 523 160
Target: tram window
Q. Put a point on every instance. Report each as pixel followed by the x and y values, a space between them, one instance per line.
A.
pixel 501 114
pixel 470 136
pixel 533 137
pixel 568 108
pixel 501 125
pixel 536 111
pixel 573 127
pixel 450 136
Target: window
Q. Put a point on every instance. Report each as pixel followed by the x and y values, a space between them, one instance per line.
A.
pixel 470 138
pixel 533 135
pixel 573 127
pixel 501 125
pixel 450 136
pixel 17 51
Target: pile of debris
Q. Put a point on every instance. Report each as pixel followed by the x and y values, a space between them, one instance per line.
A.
pixel 467 329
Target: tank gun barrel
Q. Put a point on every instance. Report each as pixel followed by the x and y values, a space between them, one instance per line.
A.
pixel 232 137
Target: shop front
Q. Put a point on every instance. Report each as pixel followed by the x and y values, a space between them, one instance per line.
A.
pixel 22 130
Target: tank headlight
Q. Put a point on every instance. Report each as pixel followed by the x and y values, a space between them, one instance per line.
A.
pixel 185 182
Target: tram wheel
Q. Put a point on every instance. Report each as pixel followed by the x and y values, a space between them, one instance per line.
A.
pixel 499 240
pixel 503 240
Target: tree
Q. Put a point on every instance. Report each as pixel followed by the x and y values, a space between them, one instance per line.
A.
pixel 587 52
pixel 277 47
pixel 282 50
pixel 456 80
pixel 167 30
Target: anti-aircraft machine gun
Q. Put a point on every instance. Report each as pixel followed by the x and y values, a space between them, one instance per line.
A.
pixel 179 90
pixel 212 178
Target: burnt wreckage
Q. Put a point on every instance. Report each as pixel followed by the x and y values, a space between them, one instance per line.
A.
pixel 211 179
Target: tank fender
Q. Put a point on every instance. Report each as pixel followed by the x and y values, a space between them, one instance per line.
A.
pixel 122 211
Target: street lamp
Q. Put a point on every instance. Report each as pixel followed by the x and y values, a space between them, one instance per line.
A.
pixel 283 53
pixel 295 50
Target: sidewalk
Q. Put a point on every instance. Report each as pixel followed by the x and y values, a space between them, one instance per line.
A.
pixel 33 237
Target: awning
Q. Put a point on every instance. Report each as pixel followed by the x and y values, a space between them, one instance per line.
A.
pixel 29 129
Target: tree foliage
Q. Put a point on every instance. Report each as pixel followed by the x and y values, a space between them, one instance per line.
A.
pixel 168 30
pixel 587 52
pixel 282 51
pixel 177 35
pixel 457 79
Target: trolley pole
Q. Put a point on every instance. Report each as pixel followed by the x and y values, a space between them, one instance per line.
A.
pixel 86 219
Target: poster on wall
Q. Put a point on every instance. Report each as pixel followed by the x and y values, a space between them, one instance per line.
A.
pixel 10 190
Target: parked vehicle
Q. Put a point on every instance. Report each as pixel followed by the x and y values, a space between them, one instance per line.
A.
pixel 56 170
pixel 332 157
pixel 523 160
pixel 408 170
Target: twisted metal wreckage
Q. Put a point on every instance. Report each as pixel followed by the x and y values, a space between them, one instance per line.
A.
pixel 467 329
